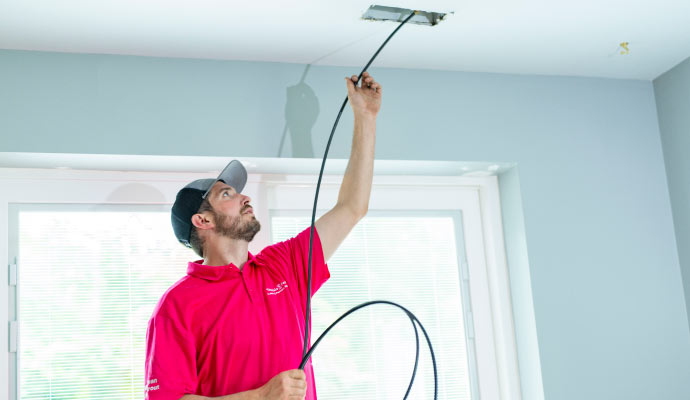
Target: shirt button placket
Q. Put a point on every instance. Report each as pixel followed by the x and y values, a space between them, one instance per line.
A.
pixel 250 292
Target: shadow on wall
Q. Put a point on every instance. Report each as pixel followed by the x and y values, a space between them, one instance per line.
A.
pixel 302 106
pixel 301 112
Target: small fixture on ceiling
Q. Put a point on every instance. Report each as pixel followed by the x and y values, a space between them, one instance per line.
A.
pixel 383 13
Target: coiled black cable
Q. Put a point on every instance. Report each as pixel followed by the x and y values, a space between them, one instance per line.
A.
pixel 307 354
pixel 413 319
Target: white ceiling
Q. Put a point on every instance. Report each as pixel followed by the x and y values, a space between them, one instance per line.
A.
pixel 550 37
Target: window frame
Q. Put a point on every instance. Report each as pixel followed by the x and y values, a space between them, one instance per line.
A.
pixel 474 202
pixel 496 344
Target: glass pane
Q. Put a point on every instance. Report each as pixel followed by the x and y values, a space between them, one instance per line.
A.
pixel 88 283
pixel 410 260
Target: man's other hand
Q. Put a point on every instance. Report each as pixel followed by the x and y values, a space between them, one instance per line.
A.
pixel 287 385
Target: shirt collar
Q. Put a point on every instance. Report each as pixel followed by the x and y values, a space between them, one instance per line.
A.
pixel 215 273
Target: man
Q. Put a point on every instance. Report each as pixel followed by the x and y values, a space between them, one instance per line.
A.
pixel 233 328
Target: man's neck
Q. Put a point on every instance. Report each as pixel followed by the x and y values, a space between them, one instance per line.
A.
pixel 221 251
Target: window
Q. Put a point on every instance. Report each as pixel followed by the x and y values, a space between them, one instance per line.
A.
pixel 405 257
pixel 94 253
pixel 427 245
pixel 89 278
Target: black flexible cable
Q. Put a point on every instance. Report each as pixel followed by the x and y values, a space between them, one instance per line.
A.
pixel 414 320
pixel 307 354
pixel 416 356
pixel 318 186
pixel 352 310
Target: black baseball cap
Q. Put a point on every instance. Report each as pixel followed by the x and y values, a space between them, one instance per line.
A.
pixel 190 197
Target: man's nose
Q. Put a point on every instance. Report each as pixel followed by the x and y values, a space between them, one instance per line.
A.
pixel 246 199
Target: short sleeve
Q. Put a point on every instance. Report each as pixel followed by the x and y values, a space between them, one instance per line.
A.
pixel 293 256
pixel 170 369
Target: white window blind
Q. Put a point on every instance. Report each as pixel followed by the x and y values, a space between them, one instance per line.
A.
pixel 408 259
pixel 89 281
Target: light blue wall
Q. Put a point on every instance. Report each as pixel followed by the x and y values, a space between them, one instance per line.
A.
pixel 591 206
pixel 672 91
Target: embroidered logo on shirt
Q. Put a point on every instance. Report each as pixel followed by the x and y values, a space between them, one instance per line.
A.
pixel 150 386
pixel 279 288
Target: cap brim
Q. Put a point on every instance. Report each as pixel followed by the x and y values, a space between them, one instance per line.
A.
pixel 234 174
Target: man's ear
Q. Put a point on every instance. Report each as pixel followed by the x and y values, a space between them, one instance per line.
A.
pixel 202 221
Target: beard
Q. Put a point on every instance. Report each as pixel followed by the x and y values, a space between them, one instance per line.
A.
pixel 236 228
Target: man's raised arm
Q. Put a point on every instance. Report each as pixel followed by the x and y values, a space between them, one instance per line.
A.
pixel 355 190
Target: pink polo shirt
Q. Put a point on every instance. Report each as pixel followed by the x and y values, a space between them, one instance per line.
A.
pixel 220 331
